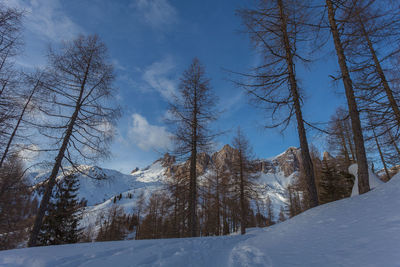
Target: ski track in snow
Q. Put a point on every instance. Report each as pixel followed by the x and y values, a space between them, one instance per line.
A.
pixel 359 231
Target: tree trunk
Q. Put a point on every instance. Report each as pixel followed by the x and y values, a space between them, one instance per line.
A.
pixel 393 142
pixel 10 140
pixel 345 150
pixel 381 155
pixel 363 181
pixel 51 182
pixel 242 198
pixel 52 178
pixel 305 153
pixel 193 177
pixel 348 138
pixel 381 74
pixel 218 207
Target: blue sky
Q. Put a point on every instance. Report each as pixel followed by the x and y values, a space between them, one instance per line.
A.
pixel 150 43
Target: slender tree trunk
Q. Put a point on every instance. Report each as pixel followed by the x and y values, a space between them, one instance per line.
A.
pixel 381 74
pixel 242 198
pixel 52 178
pixel 348 138
pixel 10 140
pixel 193 178
pixel 393 142
pixel 381 155
pixel 345 150
pixel 218 207
pixel 363 180
pixel 51 182
pixel 305 153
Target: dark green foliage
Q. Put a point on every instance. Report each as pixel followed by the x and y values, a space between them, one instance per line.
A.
pixel 334 184
pixel 60 225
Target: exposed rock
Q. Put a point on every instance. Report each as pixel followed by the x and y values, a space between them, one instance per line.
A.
pixel 135 170
pixel 167 160
pixel 223 159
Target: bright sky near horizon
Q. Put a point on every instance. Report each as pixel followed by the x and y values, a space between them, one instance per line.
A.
pixel 150 43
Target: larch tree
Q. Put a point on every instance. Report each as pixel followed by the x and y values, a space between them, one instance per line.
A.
pixel 193 110
pixel 30 98
pixel 10 44
pixel 371 33
pixel 244 176
pixel 340 138
pixel 81 118
pixel 361 157
pixel 276 29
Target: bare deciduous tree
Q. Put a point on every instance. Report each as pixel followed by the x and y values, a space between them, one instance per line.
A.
pixel 244 175
pixel 79 124
pixel 193 110
pixel 363 181
pixel 276 29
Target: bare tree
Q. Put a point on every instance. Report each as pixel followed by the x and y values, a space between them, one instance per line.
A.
pixel 276 29
pixel 340 139
pixel 79 124
pixel 10 44
pixel 363 182
pixel 33 84
pixel 371 33
pixel 244 176
pixel 193 110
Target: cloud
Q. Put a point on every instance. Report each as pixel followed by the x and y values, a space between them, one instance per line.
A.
pixel 47 19
pixel 156 13
pixel 158 77
pixel 147 136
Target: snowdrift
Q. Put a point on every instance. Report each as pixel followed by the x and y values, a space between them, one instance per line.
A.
pixel 359 231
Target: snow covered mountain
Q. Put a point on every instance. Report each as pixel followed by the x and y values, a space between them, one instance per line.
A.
pixel 102 187
pixel 358 231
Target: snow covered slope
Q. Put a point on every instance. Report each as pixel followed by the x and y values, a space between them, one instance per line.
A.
pixel 359 231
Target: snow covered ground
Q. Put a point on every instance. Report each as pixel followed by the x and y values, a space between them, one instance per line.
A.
pixel 359 231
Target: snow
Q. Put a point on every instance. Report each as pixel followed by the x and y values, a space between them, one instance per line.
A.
pixel 374 180
pixel 359 231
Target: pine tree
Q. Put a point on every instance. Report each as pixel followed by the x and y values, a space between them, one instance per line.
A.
pixel 60 225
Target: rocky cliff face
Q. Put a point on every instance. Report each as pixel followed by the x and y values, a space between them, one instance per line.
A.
pixel 287 162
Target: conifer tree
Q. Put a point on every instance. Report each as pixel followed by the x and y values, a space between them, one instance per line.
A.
pixel 192 113
pixel 277 29
pixel 60 225
pixel 363 181
pixel 244 176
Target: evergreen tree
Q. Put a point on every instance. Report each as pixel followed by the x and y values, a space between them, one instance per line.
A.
pixel 60 225
pixel 335 184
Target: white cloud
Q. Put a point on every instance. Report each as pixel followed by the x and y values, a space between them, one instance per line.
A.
pixel 156 13
pixel 158 77
pixel 47 19
pixel 147 136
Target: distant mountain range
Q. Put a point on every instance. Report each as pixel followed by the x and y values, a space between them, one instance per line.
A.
pixel 99 186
